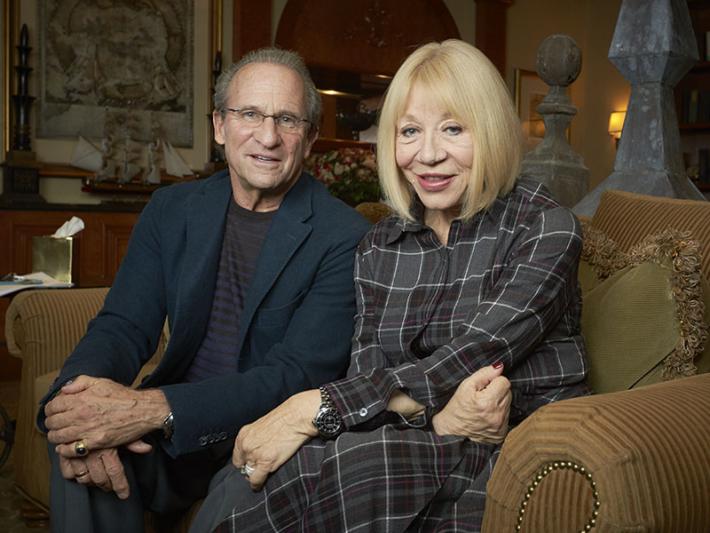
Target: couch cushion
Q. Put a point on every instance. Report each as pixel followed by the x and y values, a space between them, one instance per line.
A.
pixel 628 217
pixel 643 311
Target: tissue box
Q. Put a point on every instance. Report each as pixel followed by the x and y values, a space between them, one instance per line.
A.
pixel 56 257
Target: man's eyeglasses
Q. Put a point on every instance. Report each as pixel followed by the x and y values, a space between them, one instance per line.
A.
pixel 285 122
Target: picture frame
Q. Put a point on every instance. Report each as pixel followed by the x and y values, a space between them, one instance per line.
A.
pixel 92 75
pixel 54 153
pixel 8 24
pixel 529 92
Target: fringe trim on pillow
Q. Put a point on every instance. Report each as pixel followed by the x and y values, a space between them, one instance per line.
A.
pixel 679 251
pixel 672 249
pixel 602 253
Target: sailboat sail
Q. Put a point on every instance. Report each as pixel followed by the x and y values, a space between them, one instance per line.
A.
pixel 174 164
pixel 86 156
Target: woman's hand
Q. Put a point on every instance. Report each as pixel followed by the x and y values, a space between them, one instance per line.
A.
pixel 272 440
pixel 479 408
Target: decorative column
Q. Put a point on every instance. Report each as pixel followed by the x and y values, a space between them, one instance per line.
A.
pixel 653 47
pixel 21 169
pixel 553 162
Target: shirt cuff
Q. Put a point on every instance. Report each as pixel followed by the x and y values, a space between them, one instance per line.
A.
pixel 359 398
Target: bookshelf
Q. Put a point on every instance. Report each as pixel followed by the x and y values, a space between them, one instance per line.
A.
pixel 692 96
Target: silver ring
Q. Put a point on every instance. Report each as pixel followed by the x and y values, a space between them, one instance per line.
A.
pixel 85 472
pixel 247 470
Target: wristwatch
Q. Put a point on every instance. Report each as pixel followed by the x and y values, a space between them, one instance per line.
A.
pixel 328 421
pixel 168 426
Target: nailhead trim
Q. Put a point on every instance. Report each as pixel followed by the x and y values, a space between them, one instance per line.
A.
pixel 561 465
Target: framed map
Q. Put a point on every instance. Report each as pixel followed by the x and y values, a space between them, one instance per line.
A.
pixel 107 58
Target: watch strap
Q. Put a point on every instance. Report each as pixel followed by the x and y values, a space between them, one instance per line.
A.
pixel 325 400
pixel 168 426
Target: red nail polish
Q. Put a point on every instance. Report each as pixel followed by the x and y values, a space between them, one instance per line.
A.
pixel 497 365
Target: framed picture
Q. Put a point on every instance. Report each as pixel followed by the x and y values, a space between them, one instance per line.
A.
pixel 6 26
pixel 107 62
pixel 181 45
pixel 529 92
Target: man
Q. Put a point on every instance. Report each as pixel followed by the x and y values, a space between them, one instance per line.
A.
pixel 253 269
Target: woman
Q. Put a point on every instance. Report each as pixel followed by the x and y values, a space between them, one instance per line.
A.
pixel 476 272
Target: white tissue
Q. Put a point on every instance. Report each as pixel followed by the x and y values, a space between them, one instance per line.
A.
pixel 71 227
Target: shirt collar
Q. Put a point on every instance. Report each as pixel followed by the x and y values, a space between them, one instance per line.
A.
pixel 402 226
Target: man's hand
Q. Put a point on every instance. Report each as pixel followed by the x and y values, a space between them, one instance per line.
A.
pixel 102 414
pixel 102 469
pixel 273 439
pixel 479 408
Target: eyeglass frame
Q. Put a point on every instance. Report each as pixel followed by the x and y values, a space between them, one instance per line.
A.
pixel 276 118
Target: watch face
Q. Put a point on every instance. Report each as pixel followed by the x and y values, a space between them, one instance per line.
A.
pixel 329 423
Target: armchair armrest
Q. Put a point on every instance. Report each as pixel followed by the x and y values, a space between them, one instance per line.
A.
pixel 636 460
pixel 42 327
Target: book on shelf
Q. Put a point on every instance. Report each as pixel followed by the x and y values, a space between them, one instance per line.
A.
pixel 704 106
pixel 691 115
pixel 704 165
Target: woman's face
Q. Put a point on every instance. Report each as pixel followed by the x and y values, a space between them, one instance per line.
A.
pixel 435 153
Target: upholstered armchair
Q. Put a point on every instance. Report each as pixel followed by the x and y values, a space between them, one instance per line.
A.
pixel 42 327
pixel 633 460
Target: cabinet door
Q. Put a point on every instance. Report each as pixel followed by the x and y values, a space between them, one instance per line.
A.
pixel 100 246
pixel 103 246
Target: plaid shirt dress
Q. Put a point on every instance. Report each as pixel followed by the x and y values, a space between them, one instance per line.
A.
pixel 504 288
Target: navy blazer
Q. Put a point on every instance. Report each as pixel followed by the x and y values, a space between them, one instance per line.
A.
pixel 295 328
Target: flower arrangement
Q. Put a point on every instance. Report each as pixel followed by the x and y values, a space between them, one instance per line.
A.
pixel 349 174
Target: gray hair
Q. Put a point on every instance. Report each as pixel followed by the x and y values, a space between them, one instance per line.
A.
pixel 275 56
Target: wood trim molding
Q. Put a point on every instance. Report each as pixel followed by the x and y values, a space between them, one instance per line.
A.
pixel 251 28
pixel 491 28
pixel 364 37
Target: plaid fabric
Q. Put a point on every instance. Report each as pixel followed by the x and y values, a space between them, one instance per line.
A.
pixel 504 288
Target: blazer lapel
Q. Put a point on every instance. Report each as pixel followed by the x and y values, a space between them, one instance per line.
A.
pixel 207 212
pixel 286 234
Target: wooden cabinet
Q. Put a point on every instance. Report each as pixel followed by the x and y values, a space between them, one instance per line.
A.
pixel 101 246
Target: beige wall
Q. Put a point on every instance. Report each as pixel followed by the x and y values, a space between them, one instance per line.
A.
pixel 600 88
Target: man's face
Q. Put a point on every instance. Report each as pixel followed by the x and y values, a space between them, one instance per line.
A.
pixel 264 161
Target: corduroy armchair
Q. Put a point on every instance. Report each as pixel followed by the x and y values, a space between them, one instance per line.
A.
pixel 42 327
pixel 632 461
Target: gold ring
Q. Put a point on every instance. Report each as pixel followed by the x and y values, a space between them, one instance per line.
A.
pixel 80 448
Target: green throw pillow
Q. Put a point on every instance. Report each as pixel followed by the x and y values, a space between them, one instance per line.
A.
pixel 629 326
pixel 643 311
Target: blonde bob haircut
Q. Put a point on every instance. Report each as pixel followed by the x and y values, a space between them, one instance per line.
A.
pixel 463 81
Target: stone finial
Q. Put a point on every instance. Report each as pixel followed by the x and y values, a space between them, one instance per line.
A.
pixel 553 162
pixel 653 47
pixel 559 60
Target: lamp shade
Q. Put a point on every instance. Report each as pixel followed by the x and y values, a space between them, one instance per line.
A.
pixel 616 123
